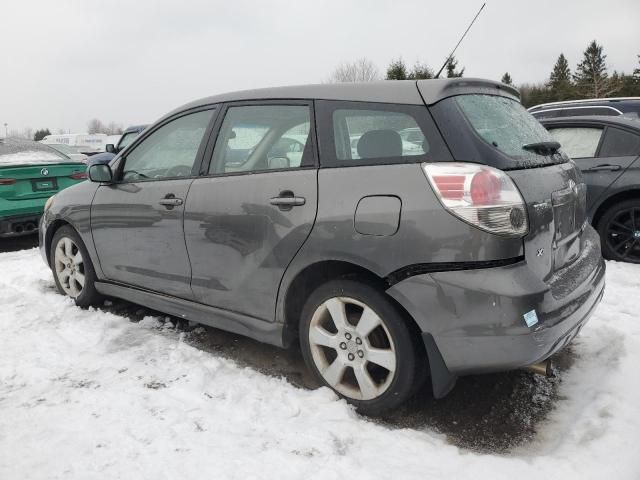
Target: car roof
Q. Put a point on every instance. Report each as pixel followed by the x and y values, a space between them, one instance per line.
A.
pixel 619 120
pixel 591 102
pixel 411 92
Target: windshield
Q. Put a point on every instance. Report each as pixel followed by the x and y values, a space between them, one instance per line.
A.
pixel 505 124
pixel 126 139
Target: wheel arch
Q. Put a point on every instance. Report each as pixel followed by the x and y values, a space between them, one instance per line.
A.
pixel 630 194
pixel 50 232
pixel 320 272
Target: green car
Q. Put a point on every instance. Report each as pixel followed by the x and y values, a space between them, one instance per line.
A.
pixel 30 173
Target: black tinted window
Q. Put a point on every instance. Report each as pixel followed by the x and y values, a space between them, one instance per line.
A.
pixel 620 143
pixel 582 111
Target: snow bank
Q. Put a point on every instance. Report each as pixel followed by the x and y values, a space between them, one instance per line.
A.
pixel 89 394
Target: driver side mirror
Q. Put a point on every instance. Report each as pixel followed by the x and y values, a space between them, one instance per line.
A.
pixel 100 173
pixel 110 148
pixel 278 162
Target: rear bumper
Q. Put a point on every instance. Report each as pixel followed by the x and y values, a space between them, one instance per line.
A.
pixel 475 320
pixel 18 225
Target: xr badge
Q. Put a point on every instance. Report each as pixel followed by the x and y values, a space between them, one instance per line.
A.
pixel 540 252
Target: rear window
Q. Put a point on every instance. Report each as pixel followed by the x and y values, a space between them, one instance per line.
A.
pixel 502 122
pixel 15 152
pixel 359 133
pixel 578 142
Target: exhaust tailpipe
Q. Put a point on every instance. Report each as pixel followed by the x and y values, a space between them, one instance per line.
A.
pixel 30 227
pixel 19 228
pixel 541 368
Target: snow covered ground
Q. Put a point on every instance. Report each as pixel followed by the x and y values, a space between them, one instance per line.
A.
pixel 90 394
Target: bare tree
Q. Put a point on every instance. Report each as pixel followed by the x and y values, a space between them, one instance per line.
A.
pixel 113 129
pixel 95 126
pixel 361 70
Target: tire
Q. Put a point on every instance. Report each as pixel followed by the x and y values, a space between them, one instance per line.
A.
pixel 72 268
pixel 619 229
pixel 343 352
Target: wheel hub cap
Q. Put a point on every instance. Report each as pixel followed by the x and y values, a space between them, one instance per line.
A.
pixel 358 361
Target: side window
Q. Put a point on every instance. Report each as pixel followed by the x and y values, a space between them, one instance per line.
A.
pixel 169 152
pixel 582 111
pixel 578 142
pixel 620 143
pixel 263 137
pixel 370 134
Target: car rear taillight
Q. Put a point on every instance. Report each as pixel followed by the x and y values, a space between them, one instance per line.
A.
pixel 79 175
pixel 480 195
pixel 7 181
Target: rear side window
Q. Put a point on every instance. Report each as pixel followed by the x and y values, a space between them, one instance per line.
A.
pixel 503 123
pixel 578 142
pixel 357 133
pixel 620 143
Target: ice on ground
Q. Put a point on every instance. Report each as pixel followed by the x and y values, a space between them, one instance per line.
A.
pixel 88 394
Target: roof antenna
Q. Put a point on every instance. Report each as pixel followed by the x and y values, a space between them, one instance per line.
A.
pixel 460 41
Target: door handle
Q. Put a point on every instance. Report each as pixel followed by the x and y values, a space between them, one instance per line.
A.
pixel 171 201
pixel 287 200
pixel 605 166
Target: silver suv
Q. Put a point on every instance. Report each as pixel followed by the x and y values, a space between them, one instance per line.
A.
pixel 300 216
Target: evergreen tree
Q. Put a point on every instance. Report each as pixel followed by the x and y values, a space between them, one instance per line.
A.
pixel 636 72
pixel 506 78
pixel 452 63
pixel 559 84
pixel 397 70
pixel 40 134
pixel 591 77
pixel 421 71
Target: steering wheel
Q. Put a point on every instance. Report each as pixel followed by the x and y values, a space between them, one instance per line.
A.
pixel 178 171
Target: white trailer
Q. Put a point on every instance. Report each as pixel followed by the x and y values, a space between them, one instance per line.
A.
pixel 87 143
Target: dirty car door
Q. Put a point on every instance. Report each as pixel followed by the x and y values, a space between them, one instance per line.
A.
pixel 246 219
pixel 137 221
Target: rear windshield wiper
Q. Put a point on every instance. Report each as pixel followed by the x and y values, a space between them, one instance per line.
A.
pixel 543 148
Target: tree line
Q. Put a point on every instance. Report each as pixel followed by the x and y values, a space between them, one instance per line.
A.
pixel 93 126
pixel 589 79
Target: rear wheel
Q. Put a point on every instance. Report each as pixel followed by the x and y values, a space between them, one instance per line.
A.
pixel 357 343
pixel 72 268
pixel 619 230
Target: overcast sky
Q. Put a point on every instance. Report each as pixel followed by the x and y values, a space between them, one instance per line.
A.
pixel 65 62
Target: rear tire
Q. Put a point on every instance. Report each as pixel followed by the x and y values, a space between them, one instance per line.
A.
pixel 619 229
pixel 72 268
pixel 357 342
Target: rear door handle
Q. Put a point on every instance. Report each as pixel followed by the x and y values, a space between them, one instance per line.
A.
pixel 287 200
pixel 605 166
pixel 171 201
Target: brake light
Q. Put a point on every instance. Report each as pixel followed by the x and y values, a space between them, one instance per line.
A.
pixel 7 181
pixel 79 175
pixel 480 195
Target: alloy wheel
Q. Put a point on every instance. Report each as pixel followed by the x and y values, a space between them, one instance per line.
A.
pixel 69 267
pixel 352 348
pixel 623 234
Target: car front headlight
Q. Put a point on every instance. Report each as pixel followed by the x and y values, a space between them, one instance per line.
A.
pixel 48 203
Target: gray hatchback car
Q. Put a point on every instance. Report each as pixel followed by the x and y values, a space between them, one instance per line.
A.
pixel 300 216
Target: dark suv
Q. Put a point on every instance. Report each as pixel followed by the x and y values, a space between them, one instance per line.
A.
pixel 628 107
pixel 300 216
pixel 607 150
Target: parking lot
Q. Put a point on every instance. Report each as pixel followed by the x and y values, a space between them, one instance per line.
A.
pixel 113 390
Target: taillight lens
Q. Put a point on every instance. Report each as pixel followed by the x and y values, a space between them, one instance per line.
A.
pixel 79 175
pixel 7 181
pixel 480 195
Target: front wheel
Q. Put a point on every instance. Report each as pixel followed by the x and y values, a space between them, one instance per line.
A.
pixel 358 344
pixel 72 268
pixel 619 230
